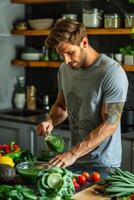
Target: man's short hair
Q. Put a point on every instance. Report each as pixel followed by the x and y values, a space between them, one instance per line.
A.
pixel 66 30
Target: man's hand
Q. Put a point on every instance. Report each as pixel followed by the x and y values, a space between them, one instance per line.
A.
pixel 44 128
pixel 63 160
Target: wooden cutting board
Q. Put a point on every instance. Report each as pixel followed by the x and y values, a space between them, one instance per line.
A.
pixel 89 194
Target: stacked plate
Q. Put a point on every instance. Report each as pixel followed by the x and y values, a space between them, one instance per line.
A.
pixel 30 54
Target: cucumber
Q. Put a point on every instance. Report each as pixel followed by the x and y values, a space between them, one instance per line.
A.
pixel 29 195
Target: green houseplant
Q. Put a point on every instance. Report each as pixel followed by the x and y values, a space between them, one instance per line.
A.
pixel 131 1
pixel 128 50
pixel 128 54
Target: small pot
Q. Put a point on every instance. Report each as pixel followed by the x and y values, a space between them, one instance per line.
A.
pixel 127 118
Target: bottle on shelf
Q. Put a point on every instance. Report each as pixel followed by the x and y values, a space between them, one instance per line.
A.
pixel 46 106
pixel 45 54
pixel 19 94
pixel 31 97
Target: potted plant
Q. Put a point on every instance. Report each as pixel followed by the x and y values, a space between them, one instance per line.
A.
pixel 131 1
pixel 128 53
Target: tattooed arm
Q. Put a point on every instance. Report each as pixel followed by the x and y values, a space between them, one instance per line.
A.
pixel 111 114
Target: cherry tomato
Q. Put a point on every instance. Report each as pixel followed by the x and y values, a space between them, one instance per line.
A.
pixel 86 174
pixel 95 176
pixel 81 179
pixel 132 196
pixel 76 186
pixel 16 147
pixel 74 180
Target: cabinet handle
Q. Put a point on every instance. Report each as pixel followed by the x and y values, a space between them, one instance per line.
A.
pixel 32 132
pixel 133 146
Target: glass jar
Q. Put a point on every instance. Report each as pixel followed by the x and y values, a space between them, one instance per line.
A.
pixel 69 16
pixel 31 97
pixel 92 18
pixel 129 20
pixel 112 21
pixel 19 95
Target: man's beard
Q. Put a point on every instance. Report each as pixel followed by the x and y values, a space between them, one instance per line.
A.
pixel 79 64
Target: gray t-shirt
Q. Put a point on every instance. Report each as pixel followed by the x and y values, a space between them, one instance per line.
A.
pixel 85 90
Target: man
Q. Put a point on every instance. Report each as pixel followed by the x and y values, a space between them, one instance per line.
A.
pixel 92 93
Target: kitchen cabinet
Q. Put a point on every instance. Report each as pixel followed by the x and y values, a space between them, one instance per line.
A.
pixel 12 131
pixel 23 134
pixel 128 154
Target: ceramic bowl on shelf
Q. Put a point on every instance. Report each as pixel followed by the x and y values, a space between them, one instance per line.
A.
pixel 30 56
pixel 40 24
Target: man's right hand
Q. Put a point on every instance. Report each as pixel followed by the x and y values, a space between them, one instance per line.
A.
pixel 44 128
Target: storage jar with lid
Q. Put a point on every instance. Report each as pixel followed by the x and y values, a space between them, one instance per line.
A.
pixel 92 18
pixel 69 16
pixel 19 94
pixel 129 20
pixel 112 21
pixel 31 97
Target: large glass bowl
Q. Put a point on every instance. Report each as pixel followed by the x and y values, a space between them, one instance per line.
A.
pixel 31 171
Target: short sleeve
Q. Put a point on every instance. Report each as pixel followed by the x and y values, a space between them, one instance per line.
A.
pixel 115 85
pixel 59 81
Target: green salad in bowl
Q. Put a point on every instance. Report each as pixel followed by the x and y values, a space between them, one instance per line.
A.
pixel 32 170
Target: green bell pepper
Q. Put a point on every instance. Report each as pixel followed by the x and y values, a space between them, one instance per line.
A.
pixel 14 155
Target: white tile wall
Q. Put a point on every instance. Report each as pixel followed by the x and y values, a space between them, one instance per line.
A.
pixel 8 13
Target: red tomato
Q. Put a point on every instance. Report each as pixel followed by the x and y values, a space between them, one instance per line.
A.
pixel 86 174
pixel 132 196
pixel 76 185
pixel 81 179
pixel 95 176
pixel 16 147
pixel 74 180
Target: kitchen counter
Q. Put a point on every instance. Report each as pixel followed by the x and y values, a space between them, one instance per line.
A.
pixel 34 119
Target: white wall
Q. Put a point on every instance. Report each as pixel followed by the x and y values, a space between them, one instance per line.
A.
pixel 8 43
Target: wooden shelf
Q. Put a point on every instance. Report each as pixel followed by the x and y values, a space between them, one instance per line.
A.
pixel 109 31
pixel 128 68
pixel 52 64
pixel 55 64
pixel 41 1
pixel 90 31
pixel 30 32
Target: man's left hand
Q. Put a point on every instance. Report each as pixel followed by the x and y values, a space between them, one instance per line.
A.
pixel 63 160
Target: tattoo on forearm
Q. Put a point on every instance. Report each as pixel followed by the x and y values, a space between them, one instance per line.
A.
pixel 112 112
